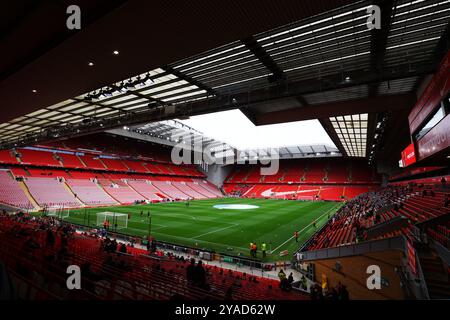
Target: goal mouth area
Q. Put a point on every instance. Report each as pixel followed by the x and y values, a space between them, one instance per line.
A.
pixel 116 219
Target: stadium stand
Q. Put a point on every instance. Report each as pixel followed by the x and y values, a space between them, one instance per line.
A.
pixel 11 194
pixel 70 160
pixel 110 274
pixel 7 157
pixel 186 189
pixel 92 162
pixel 146 189
pixel 89 192
pixel 168 189
pixel 38 157
pixel 120 191
pixel 50 193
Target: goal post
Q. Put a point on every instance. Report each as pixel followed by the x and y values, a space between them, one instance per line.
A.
pixel 60 213
pixel 115 220
pixel 306 198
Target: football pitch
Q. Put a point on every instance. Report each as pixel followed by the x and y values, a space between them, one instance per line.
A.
pixel 203 226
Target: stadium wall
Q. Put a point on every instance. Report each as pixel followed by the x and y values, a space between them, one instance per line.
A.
pixel 352 272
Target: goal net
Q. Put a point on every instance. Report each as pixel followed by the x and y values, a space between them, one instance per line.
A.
pixel 59 213
pixel 306 198
pixel 114 220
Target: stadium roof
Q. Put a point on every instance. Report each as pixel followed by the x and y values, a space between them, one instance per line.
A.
pixel 321 67
pixel 176 133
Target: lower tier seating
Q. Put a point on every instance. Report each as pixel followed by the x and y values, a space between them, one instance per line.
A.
pixel 120 191
pixel 47 248
pixel 183 187
pixel 11 193
pixel 297 191
pixel 146 189
pixel 90 193
pixel 50 192
pixel 168 189
pixel 416 204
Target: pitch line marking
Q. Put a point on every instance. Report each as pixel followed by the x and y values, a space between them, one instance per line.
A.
pixel 214 231
pixel 274 250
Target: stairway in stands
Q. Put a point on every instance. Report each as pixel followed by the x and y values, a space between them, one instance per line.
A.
pixel 437 278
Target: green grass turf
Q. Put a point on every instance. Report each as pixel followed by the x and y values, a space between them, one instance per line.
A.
pixel 202 226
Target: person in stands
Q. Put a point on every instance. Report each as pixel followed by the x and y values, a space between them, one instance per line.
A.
pixel 190 270
pixel 200 275
pixel 446 201
pixel 123 248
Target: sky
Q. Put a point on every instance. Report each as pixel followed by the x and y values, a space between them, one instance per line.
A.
pixel 234 128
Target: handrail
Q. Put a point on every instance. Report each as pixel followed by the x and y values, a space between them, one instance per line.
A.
pixel 355 249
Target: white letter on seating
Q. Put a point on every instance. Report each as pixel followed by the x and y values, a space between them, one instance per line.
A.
pixel 74 280
pixel 74 20
pixel 374 280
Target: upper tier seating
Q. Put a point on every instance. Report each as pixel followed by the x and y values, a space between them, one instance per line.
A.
pixel 338 173
pixel 89 192
pixel 7 156
pixel 11 193
pixel 92 162
pixel 360 174
pixel 169 190
pixel 114 164
pixel 135 166
pixel 318 171
pixel 315 173
pixel 49 192
pixel 70 160
pixel 146 189
pixel 35 157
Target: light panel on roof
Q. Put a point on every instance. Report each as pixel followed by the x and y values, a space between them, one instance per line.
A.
pixel 352 133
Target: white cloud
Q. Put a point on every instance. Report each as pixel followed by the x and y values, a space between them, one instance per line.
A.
pixel 234 128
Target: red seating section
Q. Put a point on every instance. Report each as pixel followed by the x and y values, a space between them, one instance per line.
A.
pixel 316 171
pixel 92 162
pixel 11 193
pixel 113 276
pixel 7 156
pixel 417 204
pixel 49 192
pixel 70 160
pixel 89 192
pixel 35 157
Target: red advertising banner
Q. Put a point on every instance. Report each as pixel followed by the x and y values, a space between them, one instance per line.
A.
pixel 408 155
pixel 435 92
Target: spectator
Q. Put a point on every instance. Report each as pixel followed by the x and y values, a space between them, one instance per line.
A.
pixel 200 275
pixel 190 270
pixel 123 248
